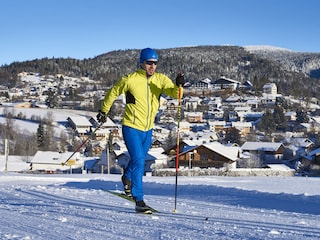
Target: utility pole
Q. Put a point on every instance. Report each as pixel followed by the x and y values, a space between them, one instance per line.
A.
pixel 108 159
pixel 6 153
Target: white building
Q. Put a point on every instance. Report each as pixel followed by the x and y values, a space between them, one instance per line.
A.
pixel 270 88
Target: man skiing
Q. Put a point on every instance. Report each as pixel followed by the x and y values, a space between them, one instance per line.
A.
pixel 142 90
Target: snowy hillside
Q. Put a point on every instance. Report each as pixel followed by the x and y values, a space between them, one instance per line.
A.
pixel 265 48
pixel 78 207
pixel 307 63
pixel 59 117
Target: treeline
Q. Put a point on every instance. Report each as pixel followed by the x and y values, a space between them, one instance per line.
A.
pixel 197 62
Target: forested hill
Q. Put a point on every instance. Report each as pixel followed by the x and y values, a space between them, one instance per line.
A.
pixel 295 73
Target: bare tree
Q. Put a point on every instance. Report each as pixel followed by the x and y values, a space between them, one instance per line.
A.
pixel 63 146
pixel 253 162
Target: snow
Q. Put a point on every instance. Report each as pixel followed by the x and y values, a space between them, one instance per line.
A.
pixel 265 48
pixel 77 206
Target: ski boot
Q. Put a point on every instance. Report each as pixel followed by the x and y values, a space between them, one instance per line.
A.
pixel 141 207
pixel 126 186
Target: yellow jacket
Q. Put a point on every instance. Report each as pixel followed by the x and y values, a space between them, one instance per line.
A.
pixel 142 97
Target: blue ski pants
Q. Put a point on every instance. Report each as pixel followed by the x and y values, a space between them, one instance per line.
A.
pixel 138 143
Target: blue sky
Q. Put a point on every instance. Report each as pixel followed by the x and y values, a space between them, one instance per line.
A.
pixel 81 29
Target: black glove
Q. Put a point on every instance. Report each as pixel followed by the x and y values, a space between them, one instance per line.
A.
pixel 180 80
pixel 101 117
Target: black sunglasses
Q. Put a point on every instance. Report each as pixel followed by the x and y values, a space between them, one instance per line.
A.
pixel 151 62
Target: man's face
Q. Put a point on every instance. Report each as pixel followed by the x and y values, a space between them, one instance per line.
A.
pixel 150 66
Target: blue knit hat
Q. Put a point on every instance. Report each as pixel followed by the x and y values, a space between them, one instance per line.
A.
pixel 148 53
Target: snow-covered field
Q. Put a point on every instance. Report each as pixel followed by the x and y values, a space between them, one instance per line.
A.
pixel 78 207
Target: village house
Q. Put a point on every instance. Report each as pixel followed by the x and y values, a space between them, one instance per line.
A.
pixel 234 100
pixel 291 116
pixel 204 135
pixel 252 116
pixel 215 114
pixel 51 162
pixel 270 152
pixel 226 83
pixel 213 103
pixel 119 146
pixel 185 126
pixel 270 88
pixel 160 133
pixel 191 103
pixel 252 102
pixel 268 99
pixel 270 95
pixel 311 162
pixel 302 142
pixel 81 125
pixel 172 106
pixel 207 155
pixel 217 126
pixel 243 127
pixel 204 84
pixel 193 117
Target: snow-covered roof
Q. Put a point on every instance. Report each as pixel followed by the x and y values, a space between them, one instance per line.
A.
pixel 269 85
pixel 49 157
pixel 228 151
pixel 279 167
pixel 80 121
pixel 228 80
pixel 193 142
pixel 242 109
pixel 217 123
pixel 266 146
pixel 241 124
pixel 233 98
pixel 301 142
pixel 289 114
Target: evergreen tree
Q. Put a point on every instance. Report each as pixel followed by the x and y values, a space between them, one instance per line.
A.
pixel 302 116
pixel 226 115
pixel 267 123
pixel 52 99
pixel 233 135
pixel 279 118
pixel 41 136
pixel 171 140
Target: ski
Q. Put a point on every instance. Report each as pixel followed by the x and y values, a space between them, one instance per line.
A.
pixel 174 214
pixel 124 196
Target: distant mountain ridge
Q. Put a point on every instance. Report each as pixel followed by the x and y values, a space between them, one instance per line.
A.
pixel 305 62
pixel 295 73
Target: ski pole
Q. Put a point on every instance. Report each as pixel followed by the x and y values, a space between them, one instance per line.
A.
pixel 177 149
pixel 83 143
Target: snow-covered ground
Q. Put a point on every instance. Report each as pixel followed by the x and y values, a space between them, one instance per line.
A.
pixel 78 207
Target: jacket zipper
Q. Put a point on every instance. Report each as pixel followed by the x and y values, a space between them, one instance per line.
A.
pixel 148 107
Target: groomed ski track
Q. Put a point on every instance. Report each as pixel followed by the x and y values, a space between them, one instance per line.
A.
pixel 76 208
